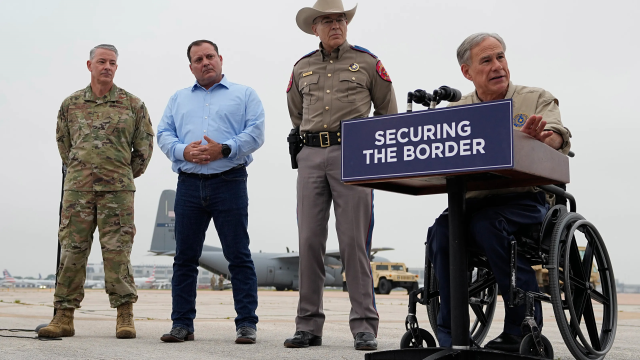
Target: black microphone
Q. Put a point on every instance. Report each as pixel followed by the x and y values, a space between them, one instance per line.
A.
pixel 422 97
pixel 448 94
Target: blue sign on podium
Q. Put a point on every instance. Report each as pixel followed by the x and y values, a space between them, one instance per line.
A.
pixel 465 138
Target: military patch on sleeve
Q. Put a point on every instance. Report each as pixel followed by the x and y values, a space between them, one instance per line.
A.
pixel 382 71
pixel 519 120
pixel 290 82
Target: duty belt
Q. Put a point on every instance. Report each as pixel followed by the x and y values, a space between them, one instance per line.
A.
pixel 321 139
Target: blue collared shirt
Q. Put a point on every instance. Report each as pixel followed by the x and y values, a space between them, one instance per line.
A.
pixel 228 113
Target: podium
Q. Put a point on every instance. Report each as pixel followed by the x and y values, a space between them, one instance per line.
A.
pixel 453 150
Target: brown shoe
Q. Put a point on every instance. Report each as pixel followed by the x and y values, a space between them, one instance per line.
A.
pixel 60 326
pixel 124 326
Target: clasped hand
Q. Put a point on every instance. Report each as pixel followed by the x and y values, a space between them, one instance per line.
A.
pixel 203 154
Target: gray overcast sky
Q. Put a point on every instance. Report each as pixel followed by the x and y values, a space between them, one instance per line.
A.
pixel 581 51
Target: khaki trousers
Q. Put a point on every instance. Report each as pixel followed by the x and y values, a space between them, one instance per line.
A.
pixel 318 186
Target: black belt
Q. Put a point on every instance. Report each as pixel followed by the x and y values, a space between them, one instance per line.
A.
pixel 211 176
pixel 321 139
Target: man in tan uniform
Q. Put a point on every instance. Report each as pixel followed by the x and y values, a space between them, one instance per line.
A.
pixel 336 82
pixel 105 140
pixel 221 282
pixel 495 215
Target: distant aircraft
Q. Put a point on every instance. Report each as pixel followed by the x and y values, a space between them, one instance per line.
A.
pixel 279 270
pixel 7 280
pixel 163 284
pixel 39 283
pixel 94 284
pixel 146 282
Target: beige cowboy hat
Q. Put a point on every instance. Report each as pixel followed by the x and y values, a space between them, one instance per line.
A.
pixel 321 7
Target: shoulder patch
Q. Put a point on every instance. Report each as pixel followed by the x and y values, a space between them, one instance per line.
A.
pixel 290 82
pixel 382 71
pixel 361 49
pixel 306 56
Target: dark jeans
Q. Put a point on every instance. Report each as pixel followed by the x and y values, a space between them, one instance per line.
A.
pixel 492 221
pixel 225 200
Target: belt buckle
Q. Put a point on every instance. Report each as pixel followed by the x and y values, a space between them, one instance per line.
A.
pixel 328 140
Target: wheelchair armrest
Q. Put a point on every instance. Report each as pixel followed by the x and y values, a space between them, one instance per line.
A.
pixel 558 191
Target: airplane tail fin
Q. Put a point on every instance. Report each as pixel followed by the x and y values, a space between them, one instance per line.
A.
pixel 39 276
pixel 164 240
pixel 7 276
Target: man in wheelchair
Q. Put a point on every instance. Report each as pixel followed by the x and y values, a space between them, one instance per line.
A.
pixel 494 216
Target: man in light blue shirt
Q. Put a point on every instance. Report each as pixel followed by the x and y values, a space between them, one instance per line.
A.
pixel 209 131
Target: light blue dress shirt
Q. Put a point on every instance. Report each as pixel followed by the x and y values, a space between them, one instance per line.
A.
pixel 228 113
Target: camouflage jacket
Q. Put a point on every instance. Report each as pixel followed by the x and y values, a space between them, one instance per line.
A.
pixel 104 142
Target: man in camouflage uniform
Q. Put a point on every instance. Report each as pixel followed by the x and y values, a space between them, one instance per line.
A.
pixel 105 139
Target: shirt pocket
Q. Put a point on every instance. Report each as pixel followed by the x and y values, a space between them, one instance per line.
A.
pixel 114 122
pixel 79 124
pixel 349 85
pixel 309 88
pixel 229 110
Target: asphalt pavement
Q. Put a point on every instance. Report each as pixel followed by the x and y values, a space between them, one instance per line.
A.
pixel 215 329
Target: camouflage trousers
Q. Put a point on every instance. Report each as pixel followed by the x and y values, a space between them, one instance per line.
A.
pixel 112 213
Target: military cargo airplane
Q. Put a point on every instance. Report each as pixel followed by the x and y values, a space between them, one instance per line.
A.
pixel 279 270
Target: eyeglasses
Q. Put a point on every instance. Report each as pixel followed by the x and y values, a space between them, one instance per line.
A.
pixel 328 21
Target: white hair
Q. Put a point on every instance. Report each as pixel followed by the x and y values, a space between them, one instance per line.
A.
pixel 464 50
pixel 92 53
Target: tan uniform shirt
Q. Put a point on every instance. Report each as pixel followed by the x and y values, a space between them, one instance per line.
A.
pixel 527 101
pixel 104 142
pixel 327 88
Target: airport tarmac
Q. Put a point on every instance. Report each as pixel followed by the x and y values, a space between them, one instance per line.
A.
pixel 215 330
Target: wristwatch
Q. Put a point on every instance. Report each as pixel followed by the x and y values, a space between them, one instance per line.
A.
pixel 226 151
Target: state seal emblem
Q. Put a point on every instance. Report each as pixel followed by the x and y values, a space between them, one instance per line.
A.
pixel 519 120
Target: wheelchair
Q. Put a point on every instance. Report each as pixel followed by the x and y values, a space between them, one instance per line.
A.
pixel 586 316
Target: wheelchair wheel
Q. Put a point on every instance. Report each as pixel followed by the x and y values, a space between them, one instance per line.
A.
pixel 575 300
pixel 528 347
pixel 484 313
pixel 408 341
